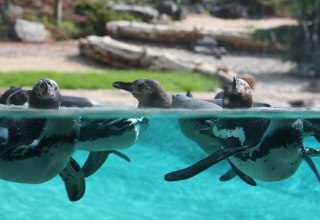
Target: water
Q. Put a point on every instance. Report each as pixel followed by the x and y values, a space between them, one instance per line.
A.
pixel 137 190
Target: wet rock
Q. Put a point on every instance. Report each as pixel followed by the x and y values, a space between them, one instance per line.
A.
pixel 29 31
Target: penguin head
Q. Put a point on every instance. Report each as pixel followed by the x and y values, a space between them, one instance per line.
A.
pixel 237 94
pixel 45 94
pixel 149 93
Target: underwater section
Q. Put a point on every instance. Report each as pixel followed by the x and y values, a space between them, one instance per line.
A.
pixel 137 189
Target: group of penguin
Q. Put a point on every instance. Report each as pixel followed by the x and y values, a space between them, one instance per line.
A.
pixel 34 150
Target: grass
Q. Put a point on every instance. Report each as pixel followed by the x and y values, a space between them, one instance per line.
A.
pixel 171 81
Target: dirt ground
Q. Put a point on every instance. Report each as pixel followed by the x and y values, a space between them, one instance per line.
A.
pixel 273 82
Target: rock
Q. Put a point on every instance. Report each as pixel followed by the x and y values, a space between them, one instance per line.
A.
pixel 229 11
pixel 298 103
pixel 208 45
pixel 314 86
pixel 123 55
pixel 29 31
pixel 167 7
pixel 174 34
pixel 146 13
pixel 11 9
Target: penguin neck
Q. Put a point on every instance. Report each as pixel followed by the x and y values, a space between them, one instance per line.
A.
pixel 156 100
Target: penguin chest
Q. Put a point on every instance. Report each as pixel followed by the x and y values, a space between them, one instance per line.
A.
pixel 276 157
pixel 278 164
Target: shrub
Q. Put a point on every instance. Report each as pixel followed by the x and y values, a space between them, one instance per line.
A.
pixel 97 14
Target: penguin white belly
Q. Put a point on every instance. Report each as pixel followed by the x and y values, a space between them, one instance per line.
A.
pixel 36 169
pixel 279 164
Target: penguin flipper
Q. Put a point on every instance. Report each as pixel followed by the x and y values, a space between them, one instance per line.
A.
pixel 203 164
pixel 96 159
pixel 74 181
pixel 228 175
pixel 249 180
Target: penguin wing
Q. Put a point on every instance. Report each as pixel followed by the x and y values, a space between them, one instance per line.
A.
pixel 74 181
pixel 203 164
pixel 96 159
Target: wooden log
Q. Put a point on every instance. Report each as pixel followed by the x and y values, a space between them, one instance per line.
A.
pixel 122 55
pixel 169 34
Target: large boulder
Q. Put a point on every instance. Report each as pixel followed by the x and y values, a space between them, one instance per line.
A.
pixel 29 31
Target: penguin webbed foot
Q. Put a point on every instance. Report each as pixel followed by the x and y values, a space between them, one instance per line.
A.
pixel 74 180
pixel 230 174
pixel 121 155
pixel 247 179
pixel 203 164
pixel 307 154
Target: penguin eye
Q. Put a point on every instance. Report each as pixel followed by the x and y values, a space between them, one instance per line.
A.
pixel 140 86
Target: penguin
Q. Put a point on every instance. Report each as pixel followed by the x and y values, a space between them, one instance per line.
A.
pixel 150 94
pixel 35 150
pixel 100 137
pixel 261 148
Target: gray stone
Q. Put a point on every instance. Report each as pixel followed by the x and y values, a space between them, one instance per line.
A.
pixel 146 13
pixel 29 31
pixel 14 9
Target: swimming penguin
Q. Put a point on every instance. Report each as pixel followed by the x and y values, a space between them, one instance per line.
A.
pixel 35 150
pixel 101 137
pixel 264 149
pixel 150 94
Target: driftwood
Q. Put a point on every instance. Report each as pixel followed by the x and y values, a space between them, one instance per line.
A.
pixel 123 55
pixel 238 39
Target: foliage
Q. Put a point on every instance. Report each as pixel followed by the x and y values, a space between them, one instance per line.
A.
pixel 301 43
pixel 97 14
pixel 171 81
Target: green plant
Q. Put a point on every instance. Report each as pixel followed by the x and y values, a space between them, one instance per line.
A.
pixel 97 14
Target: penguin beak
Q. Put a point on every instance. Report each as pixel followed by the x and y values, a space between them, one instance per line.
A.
pixel 128 86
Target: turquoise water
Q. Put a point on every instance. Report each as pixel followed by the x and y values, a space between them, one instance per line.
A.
pixel 137 190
